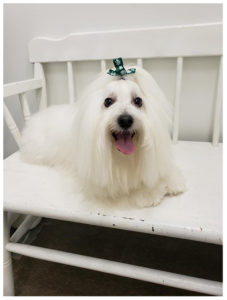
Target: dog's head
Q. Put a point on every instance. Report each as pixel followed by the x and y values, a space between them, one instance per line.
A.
pixel 120 117
pixel 124 110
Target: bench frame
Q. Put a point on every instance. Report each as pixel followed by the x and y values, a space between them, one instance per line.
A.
pixel 190 40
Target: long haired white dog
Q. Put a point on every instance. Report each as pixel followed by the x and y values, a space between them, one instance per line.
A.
pixel 114 140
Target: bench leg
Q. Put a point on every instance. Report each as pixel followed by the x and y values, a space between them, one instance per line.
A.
pixel 7 270
pixel 28 223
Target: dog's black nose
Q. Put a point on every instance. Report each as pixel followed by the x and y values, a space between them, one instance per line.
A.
pixel 125 121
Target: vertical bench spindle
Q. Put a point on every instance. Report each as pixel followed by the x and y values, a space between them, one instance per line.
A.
pixel 24 106
pixel 11 124
pixel 140 62
pixel 41 93
pixel 217 111
pixel 70 82
pixel 103 65
pixel 7 261
pixel 177 99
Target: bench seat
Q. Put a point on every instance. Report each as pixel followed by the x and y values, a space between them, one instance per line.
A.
pixel 195 215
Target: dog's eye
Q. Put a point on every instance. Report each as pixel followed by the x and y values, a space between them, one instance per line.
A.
pixel 138 101
pixel 108 102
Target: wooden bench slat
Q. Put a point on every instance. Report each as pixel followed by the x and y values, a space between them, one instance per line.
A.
pixel 19 87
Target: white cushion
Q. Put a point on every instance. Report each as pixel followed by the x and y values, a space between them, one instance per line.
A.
pixel 196 214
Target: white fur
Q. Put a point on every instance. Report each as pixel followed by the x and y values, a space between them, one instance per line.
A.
pixel 77 138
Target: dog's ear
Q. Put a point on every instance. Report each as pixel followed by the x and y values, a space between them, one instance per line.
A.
pixel 153 93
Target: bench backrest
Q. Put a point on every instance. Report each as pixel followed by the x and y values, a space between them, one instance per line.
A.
pixel 57 63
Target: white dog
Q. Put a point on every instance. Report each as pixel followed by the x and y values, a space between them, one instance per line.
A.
pixel 115 140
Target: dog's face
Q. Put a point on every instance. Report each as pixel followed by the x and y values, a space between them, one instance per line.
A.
pixel 118 128
pixel 125 108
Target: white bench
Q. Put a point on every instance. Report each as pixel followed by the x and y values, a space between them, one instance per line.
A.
pixel 39 191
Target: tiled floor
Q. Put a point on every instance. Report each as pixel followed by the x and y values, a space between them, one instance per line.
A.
pixel 40 278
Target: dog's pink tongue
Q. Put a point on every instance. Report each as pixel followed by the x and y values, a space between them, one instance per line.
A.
pixel 124 143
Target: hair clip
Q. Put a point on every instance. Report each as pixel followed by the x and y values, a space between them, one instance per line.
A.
pixel 120 70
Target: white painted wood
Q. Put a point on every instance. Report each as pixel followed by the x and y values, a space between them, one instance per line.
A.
pixel 70 82
pixel 218 104
pixel 11 124
pixel 13 218
pixel 19 87
pixel 176 113
pixel 118 268
pixel 29 223
pixel 41 93
pixel 103 65
pixel 7 262
pixel 140 62
pixel 167 41
pixel 24 106
pixel 195 214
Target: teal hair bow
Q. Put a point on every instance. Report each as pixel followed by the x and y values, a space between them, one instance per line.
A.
pixel 120 69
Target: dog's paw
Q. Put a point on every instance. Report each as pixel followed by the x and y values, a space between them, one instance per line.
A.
pixel 149 202
pixel 176 184
pixel 152 197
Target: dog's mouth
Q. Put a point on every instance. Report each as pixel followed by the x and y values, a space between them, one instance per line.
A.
pixel 124 141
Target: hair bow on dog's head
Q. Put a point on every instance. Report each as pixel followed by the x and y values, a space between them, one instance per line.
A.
pixel 120 70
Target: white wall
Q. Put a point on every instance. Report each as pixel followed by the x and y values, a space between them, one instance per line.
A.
pixel 22 22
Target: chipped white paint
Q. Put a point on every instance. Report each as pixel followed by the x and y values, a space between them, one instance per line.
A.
pixel 180 216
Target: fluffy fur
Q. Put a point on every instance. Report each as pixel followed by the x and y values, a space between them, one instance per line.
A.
pixel 78 138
